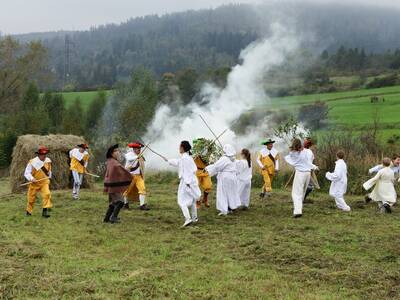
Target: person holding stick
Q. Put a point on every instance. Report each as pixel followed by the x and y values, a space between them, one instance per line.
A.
pixel 299 159
pixel 116 181
pixel 79 160
pixel 134 163
pixel 188 191
pixel 38 173
pixel 268 161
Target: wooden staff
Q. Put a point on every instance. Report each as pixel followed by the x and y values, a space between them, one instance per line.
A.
pixel 201 117
pixel 158 154
pixel 314 180
pixel 290 179
pixel 93 175
pixel 30 182
pixel 141 153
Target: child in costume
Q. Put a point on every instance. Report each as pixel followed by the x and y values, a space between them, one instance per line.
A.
pixel 188 191
pixel 116 181
pixel 227 187
pixel 244 175
pixel 134 163
pixel 298 158
pixel 268 161
pixel 384 192
pixel 339 182
pixel 79 160
pixel 38 172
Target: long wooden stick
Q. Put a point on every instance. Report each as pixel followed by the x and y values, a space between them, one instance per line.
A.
pixel 156 153
pixel 30 182
pixel 93 175
pixel 290 179
pixel 201 117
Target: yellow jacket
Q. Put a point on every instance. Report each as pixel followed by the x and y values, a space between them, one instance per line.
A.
pixel 79 160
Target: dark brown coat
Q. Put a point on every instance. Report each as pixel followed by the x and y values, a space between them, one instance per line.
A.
pixel 117 178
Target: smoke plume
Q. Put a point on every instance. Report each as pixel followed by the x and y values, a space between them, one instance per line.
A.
pixel 222 107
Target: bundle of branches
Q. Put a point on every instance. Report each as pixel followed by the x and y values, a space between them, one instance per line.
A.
pixel 207 150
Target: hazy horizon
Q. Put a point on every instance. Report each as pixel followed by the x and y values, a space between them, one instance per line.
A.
pixel 19 17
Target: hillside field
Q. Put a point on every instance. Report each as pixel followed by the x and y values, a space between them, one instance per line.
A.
pixel 262 253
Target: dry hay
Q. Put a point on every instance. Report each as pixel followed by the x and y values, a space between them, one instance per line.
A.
pixel 59 146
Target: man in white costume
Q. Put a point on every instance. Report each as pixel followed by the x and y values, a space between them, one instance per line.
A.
pixel 227 186
pixel 339 182
pixel 298 158
pixel 188 191
pixel 384 192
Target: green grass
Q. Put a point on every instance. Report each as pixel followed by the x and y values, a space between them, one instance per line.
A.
pixel 259 254
pixel 85 97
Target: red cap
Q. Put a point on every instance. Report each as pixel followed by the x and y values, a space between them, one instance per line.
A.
pixel 135 145
pixel 42 150
pixel 84 146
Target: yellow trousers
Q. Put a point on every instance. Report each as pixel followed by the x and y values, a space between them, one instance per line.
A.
pixel 205 183
pixel 136 188
pixel 267 187
pixel 44 191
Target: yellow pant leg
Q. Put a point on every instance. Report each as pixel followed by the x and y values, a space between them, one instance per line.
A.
pixel 46 196
pixel 267 181
pixel 31 197
pixel 139 182
pixel 205 183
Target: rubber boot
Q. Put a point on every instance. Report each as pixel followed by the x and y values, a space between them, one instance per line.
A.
pixel 45 213
pixel 117 209
pixel 205 200
pixel 308 192
pixel 108 213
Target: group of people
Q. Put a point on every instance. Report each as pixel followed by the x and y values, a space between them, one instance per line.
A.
pixel 125 183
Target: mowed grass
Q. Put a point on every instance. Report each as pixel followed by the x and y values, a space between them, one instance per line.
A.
pixel 258 254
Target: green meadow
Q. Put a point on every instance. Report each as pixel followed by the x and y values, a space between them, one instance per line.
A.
pixel 261 253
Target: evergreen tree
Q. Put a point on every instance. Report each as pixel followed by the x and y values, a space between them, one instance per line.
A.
pixel 73 122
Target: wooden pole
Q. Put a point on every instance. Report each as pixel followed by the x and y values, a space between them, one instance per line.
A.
pixel 201 117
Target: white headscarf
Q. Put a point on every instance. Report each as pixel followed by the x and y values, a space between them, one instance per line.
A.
pixel 229 150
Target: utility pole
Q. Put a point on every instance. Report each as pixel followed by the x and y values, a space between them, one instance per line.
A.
pixel 67 58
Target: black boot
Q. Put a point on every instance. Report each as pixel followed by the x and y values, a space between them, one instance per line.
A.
pixel 28 214
pixel 144 207
pixel 126 206
pixel 262 195
pixel 388 210
pixel 108 213
pixel 308 191
pixel 367 199
pixel 45 213
pixel 114 215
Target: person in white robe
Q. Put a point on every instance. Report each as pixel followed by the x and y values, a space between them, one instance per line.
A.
pixel 244 174
pixel 227 183
pixel 298 158
pixel 395 166
pixel 339 182
pixel 188 190
pixel 384 192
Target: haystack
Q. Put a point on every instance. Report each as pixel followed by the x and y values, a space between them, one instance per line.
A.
pixel 59 146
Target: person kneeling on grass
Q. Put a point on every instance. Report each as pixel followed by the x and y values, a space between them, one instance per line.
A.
pixel 339 182
pixel 116 182
pixel 244 175
pixel 188 191
pixel 38 172
pixel 227 187
pixel 384 192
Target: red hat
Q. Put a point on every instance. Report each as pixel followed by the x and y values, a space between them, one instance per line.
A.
pixel 42 150
pixel 84 146
pixel 135 145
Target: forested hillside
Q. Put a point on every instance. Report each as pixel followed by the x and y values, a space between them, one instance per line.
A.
pixel 210 39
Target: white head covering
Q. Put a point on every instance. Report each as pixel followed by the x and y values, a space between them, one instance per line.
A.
pixel 229 150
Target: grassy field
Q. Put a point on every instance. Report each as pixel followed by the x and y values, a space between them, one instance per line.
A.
pixel 259 254
pixel 85 97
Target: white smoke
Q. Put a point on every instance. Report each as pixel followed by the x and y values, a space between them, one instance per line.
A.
pixel 222 107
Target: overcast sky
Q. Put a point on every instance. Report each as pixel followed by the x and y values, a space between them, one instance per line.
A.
pixel 21 16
